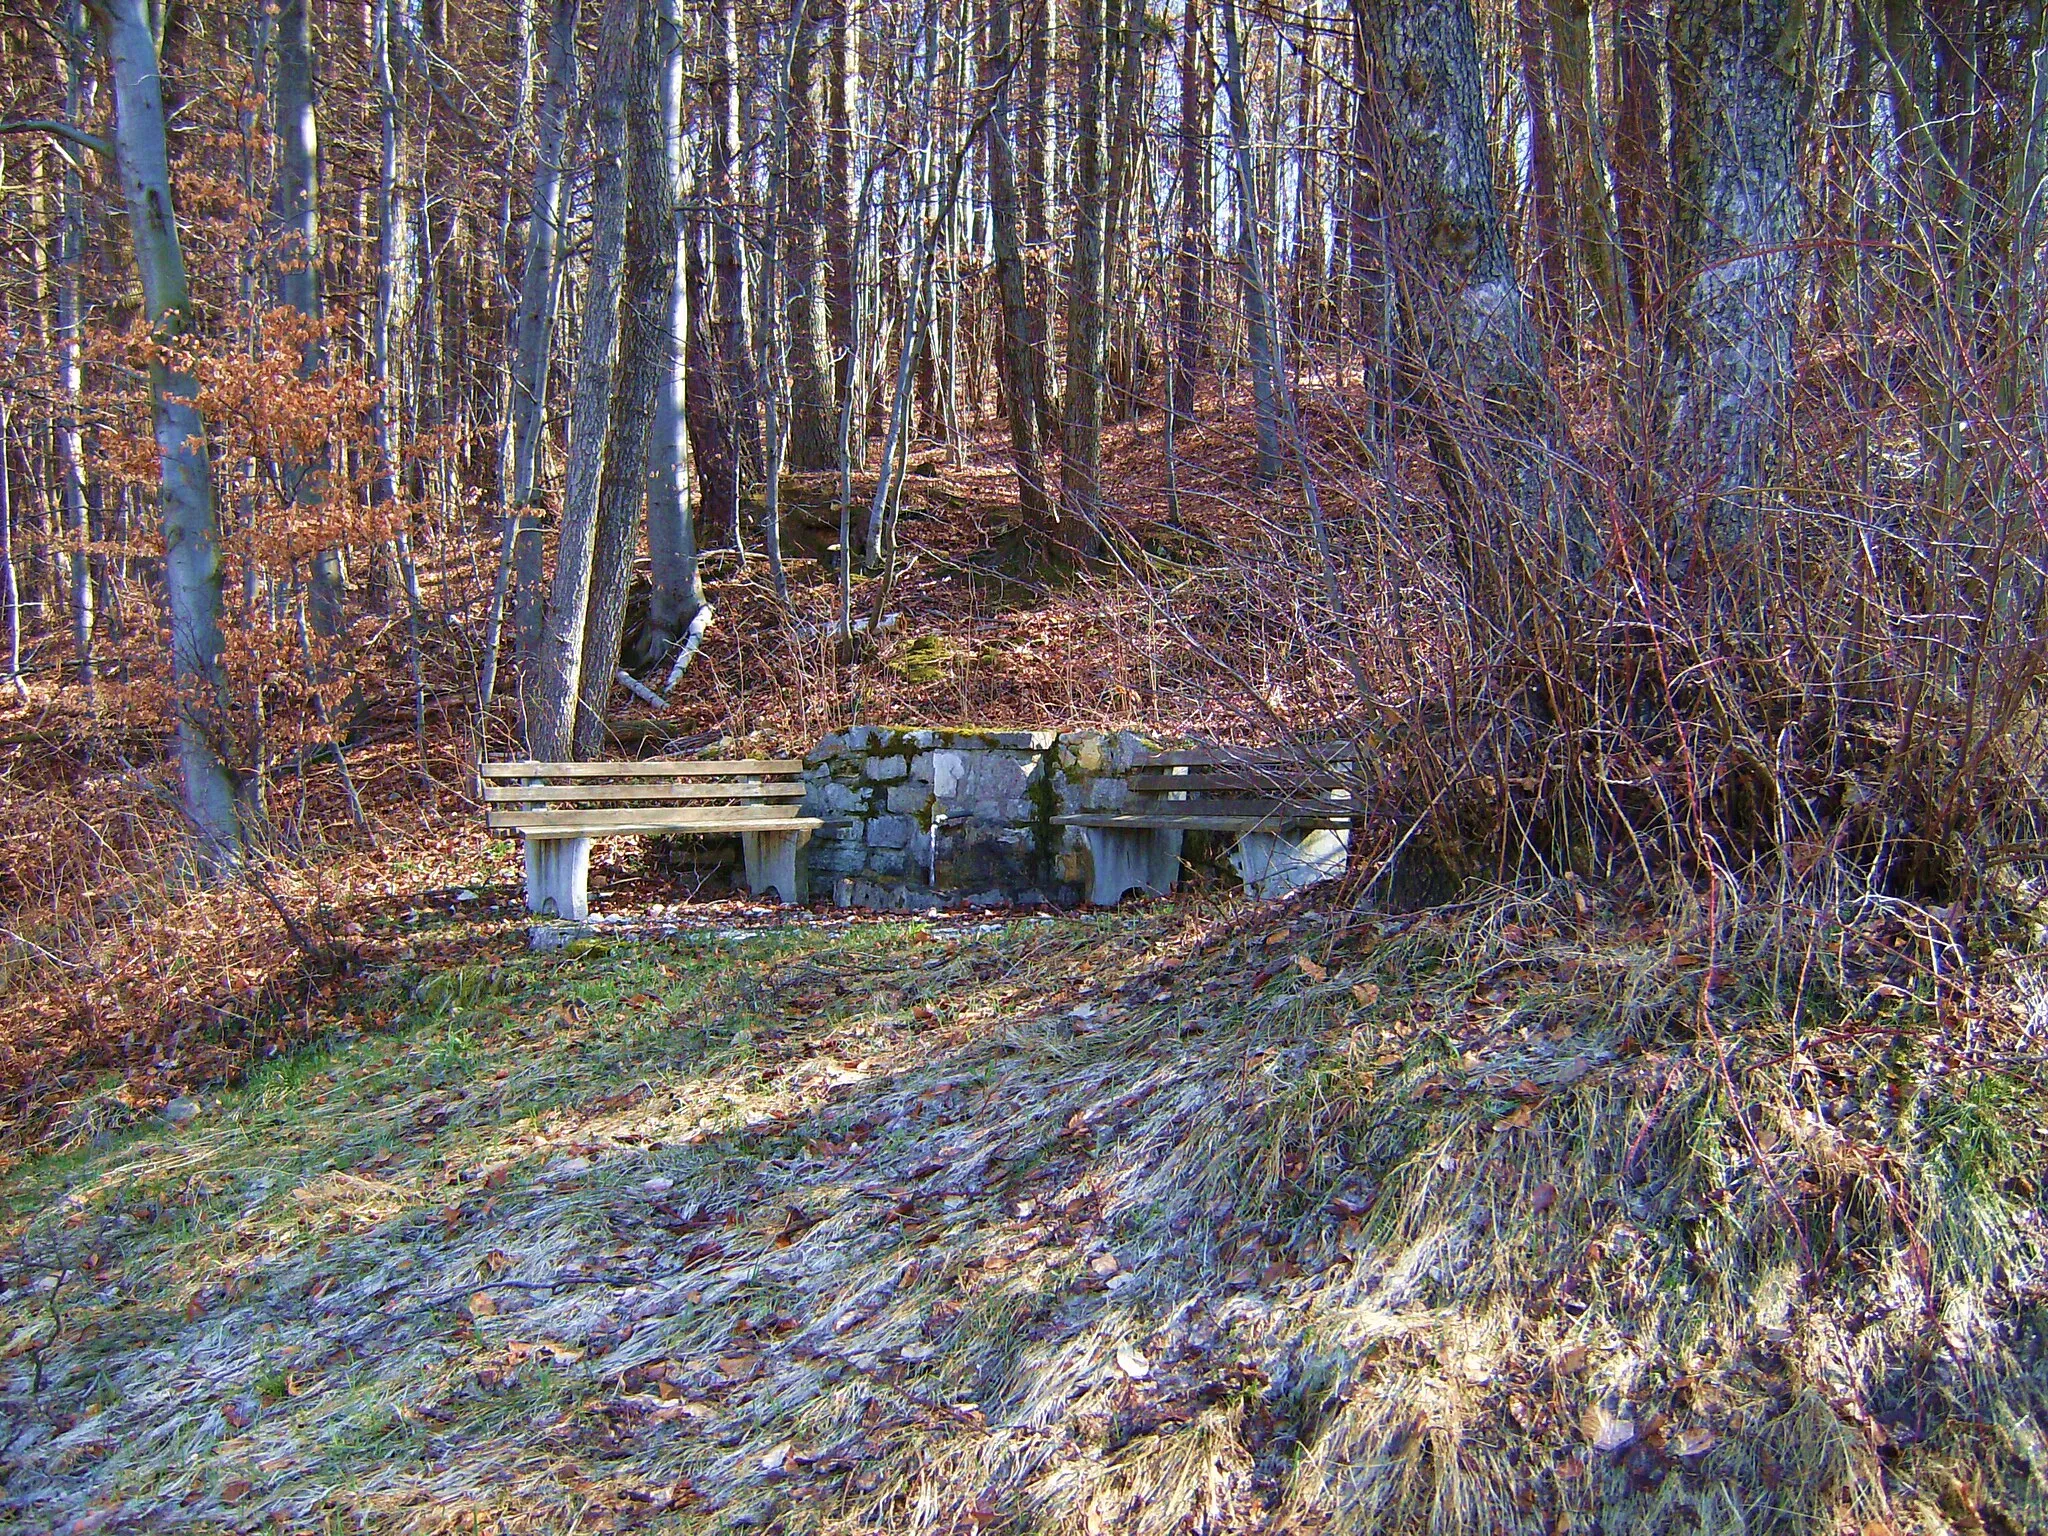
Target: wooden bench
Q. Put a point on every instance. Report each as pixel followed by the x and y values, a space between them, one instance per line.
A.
pixel 560 807
pixel 1291 816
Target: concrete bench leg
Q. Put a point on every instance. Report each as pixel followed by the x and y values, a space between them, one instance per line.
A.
pixel 1275 864
pixel 558 877
pixel 1132 859
pixel 772 863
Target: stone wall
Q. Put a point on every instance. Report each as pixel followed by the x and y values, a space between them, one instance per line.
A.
pixel 931 818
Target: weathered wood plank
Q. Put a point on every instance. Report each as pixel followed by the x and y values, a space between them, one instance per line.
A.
pixel 526 794
pixel 651 819
pixel 1195 821
pixel 649 769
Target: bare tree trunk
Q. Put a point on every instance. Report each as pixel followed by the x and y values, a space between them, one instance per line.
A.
pixel 78 96
pixel 671 532
pixel 727 171
pixel 1542 229
pixel 813 411
pixel 534 326
pixel 1578 99
pixel 636 380
pixel 1021 330
pixel 1735 124
pixel 1081 428
pixel 1475 359
pixel 1194 215
pixel 192 569
pixel 1261 340
pixel 842 179
pixel 1642 182
pixel 10 585
pixel 556 685
pixel 1039 162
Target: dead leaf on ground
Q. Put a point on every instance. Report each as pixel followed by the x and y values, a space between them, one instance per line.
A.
pixel 1314 972
pixel 1605 1430
pixel 1365 993
pixel 1132 1362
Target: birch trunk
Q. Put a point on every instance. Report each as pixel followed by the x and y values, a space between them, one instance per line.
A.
pixel 192 566
pixel 1260 337
pixel 78 98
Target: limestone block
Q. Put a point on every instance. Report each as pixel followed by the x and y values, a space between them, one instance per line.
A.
pixel 909 799
pixel 949 770
pixel 890 831
pixel 885 769
pixel 1274 864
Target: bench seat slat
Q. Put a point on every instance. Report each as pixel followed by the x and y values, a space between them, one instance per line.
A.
pixel 650 819
pixel 525 794
pixel 646 769
pixel 1237 780
pixel 1194 820
pixel 1247 805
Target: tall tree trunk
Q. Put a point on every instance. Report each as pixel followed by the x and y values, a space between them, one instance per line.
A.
pixel 192 567
pixel 1578 100
pixel 643 363
pixel 533 329
pixel 1736 113
pixel 1542 229
pixel 1020 353
pixel 1081 428
pixel 813 409
pixel 78 95
pixel 1642 174
pixel 558 669
pixel 1309 292
pixel 842 183
pixel 1475 360
pixel 1260 337
pixel 10 584
pixel 671 532
pixel 728 170
pixel 1194 215
pixel 1038 176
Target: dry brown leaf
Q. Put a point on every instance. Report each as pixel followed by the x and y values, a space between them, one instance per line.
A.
pixel 1365 993
pixel 1314 972
pixel 482 1304
pixel 1606 1431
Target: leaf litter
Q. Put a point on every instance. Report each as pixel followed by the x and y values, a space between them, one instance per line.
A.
pixel 854 1230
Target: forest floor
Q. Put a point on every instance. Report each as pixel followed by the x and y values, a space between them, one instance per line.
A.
pixel 1192 1217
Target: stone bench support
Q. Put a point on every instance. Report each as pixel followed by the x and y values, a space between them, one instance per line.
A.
pixel 1277 864
pixel 772 864
pixel 558 877
pixel 1131 859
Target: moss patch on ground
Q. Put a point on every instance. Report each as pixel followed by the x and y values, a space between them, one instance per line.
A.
pixel 1220 1220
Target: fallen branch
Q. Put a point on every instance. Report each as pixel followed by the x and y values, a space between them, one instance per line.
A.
pixel 638 689
pixel 692 638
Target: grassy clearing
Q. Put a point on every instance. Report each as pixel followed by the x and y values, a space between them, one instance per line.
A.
pixel 1213 1221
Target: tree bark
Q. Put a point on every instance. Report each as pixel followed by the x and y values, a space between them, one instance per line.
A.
pixel 1021 357
pixel 558 669
pixel 78 97
pixel 813 411
pixel 1475 360
pixel 1194 215
pixel 1578 99
pixel 533 331
pixel 671 532
pixel 1261 340
pixel 1542 236
pixel 1642 175
pixel 1735 124
pixel 1081 427
pixel 192 567
pixel 735 343
pixel 636 381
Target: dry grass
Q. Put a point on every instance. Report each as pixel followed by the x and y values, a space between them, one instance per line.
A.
pixel 1175 1221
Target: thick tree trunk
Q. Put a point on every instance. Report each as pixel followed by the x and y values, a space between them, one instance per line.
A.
pixel 671 532
pixel 1193 142
pixel 806 322
pixel 1735 127
pixel 1642 174
pixel 842 184
pixel 1260 338
pixel 1475 359
pixel 556 685
pixel 1021 329
pixel 636 381
pixel 192 568
pixel 533 332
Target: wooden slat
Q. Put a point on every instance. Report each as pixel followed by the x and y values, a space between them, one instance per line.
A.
pixel 525 794
pixel 651 819
pixel 1236 779
pixel 1249 805
pixel 650 769
pixel 1247 757
pixel 1194 821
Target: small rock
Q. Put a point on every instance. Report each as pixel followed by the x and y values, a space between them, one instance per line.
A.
pixel 181 1111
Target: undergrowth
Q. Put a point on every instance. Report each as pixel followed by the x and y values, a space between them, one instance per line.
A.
pixel 1513 1217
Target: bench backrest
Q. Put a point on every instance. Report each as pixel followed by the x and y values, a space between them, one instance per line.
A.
pixel 733 788
pixel 1241 774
